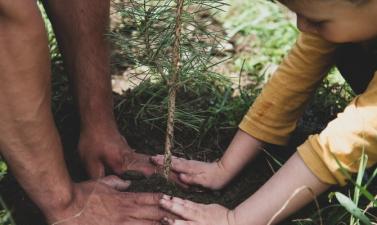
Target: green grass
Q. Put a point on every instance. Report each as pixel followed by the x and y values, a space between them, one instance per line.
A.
pixel 269 27
pixel 5 214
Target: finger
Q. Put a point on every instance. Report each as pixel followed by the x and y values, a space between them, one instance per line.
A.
pixel 183 165
pixel 95 169
pixel 192 179
pixel 186 203
pixel 144 198
pixel 115 161
pixel 174 199
pixel 173 176
pixel 177 222
pixel 178 164
pixel 180 201
pixel 158 160
pixel 147 212
pixel 139 162
pixel 116 183
pixel 179 209
pixel 141 222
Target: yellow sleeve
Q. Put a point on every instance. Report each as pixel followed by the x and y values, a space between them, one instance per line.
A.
pixel 344 139
pixel 274 114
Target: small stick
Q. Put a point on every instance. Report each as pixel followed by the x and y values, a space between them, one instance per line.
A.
pixel 169 142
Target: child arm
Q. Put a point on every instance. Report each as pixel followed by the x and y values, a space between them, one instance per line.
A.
pixel 306 174
pixel 292 187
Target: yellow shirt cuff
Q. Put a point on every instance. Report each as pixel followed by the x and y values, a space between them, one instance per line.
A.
pixel 312 155
pixel 262 133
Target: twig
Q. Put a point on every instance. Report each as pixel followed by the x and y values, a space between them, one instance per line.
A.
pixel 369 206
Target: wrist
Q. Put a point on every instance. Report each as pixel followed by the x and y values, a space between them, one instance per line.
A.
pixel 224 171
pixel 101 128
pixel 55 205
pixel 222 175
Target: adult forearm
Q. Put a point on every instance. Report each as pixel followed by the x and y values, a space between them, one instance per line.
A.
pixel 292 187
pixel 29 140
pixel 35 158
pixel 81 28
pixel 242 149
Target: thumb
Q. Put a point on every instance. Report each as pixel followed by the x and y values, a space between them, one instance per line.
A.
pixel 95 169
pixel 190 179
pixel 115 182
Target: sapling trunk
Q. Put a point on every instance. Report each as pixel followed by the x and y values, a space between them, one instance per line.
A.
pixel 173 86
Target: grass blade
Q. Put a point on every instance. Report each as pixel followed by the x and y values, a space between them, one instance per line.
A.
pixel 350 206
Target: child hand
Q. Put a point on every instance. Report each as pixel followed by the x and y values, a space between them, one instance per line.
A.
pixel 191 172
pixel 196 214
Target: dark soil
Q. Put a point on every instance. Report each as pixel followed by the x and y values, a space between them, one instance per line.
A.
pixel 26 213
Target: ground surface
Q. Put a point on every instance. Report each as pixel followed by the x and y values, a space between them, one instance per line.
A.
pixel 25 213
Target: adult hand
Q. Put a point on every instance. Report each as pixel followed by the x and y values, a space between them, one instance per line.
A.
pixel 100 202
pixel 112 151
pixel 191 172
pixel 196 214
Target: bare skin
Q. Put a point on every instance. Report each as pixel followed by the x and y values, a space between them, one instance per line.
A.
pixel 29 140
pixel 258 209
pixel 292 176
pixel 80 27
pixel 336 21
pixel 101 203
pixel 217 174
pixel 192 212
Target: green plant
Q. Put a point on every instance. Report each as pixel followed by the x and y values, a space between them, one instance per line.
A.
pixel 263 30
pixel 172 41
pixel 5 213
pixel 359 216
pixel 53 44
